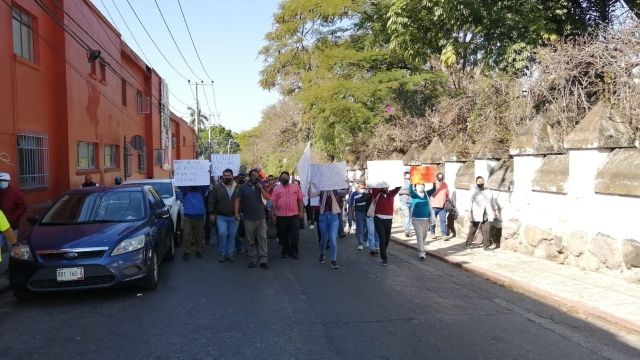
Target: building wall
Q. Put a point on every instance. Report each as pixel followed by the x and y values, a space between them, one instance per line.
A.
pixel 68 100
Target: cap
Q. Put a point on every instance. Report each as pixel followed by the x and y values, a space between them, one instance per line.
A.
pixel 5 177
pixel 407 170
pixel 242 175
pixel 440 176
pixel 118 178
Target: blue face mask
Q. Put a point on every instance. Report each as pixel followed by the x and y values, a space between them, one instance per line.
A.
pixel 4 184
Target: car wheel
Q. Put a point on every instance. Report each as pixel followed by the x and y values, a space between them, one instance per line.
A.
pixel 22 294
pixel 170 254
pixel 177 233
pixel 152 277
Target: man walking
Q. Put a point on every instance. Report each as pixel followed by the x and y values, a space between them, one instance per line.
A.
pixel 193 198
pixel 483 211
pixel 222 200
pixel 249 203
pixel 438 201
pixel 405 203
pixel 286 211
pixel 12 204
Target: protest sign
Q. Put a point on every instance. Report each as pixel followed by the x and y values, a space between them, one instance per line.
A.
pixel 329 176
pixel 221 162
pixel 385 173
pixel 423 174
pixel 191 172
pixel 304 169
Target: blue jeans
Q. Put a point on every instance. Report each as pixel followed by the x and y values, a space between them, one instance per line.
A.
pixel 328 225
pixel 372 235
pixel 406 216
pixel 361 227
pixel 442 214
pixel 227 230
pixel 340 223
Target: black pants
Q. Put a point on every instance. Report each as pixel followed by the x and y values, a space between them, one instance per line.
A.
pixel 316 218
pixel 207 230
pixel 383 229
pixel 485 227
pixel 451 222
pixel 289 234
pixel 311 218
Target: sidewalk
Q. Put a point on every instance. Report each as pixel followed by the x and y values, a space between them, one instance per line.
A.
pixel 591 294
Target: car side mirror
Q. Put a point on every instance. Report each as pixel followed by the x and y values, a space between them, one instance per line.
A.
pixel 162 214
pixel 33 220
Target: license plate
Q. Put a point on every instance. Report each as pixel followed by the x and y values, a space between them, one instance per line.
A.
pixel 70 274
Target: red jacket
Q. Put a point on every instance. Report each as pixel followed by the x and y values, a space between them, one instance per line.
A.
pixel 12 205
pixel 384 205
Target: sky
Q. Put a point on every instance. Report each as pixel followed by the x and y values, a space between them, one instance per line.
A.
pixel 228 36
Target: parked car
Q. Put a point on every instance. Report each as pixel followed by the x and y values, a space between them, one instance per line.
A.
pixel 167 191
pixel 95 237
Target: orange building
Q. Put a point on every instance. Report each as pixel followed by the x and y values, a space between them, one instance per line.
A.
pixel 63 117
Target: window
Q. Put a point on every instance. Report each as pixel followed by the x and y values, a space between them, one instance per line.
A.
pixel 86 153
pixel 111 156
pixel 103 71
pixel 127 160
pixel 109 206
pixel 143 103
pixel 142 161
pixel 22 25
pixel 33 161
pixel 124 92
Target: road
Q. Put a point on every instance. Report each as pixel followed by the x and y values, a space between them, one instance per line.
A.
pixel 300 309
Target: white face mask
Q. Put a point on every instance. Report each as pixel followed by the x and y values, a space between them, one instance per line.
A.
pixel 420 188
pixel 4 184
pixel 408 177
pixel 362 191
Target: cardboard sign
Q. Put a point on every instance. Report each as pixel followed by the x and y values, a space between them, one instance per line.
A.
pixel 385 173
pixel 423 174
pixel 329 176
pixel 191 172
pixel 221 162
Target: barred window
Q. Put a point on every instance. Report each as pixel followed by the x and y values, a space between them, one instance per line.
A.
pixel 33 161
pixel 128 153
pixel 110 156
pixel 142 161
pixel 86 154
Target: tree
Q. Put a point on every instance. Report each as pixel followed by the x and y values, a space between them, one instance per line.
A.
pixel 223 141
pixel 202 121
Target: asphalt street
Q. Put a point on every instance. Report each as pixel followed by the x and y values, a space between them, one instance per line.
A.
pixel 301 309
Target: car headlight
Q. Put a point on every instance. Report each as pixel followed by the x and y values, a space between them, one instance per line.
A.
pixel 25 252
pixel 129 245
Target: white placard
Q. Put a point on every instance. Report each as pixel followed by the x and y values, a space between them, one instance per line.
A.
pixel 315 201
pixel 304 170
pixel 385 173
pixel 329 176
pixel 191 172
pixel 221 162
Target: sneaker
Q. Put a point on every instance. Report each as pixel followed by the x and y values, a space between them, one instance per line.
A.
pixel 199 254
pixel 252 265
pixel 221 259
pixel 311 227
pixel 407 234
pixel 421 257
pixel 373 253
pixel 185 256
pixel 284 256
pixel 360 247
pixel 384 262
pixel 231 259
pixel 265 266
pixel 334 265
pixel 321 258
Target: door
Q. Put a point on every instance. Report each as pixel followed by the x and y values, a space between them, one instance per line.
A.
pixel 163 225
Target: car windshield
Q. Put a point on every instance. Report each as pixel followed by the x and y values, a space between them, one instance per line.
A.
pixel 101 207
pixel 164 189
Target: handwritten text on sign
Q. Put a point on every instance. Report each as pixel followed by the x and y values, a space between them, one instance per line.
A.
pixel 191 172
pixel 329 176
pixel 221 162
pixel 385 173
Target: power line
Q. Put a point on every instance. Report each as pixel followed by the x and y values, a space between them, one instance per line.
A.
pixel 110 17
pixel 192 42
pixel 154 43
pixel 174 41
pixel 131 32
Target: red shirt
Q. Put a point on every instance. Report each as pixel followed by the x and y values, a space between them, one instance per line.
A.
pixel 384 204
pixel 285 199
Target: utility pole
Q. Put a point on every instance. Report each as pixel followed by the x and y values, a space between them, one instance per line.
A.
pixel 197 119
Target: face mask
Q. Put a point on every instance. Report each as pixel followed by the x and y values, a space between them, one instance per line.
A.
pixel 284 181
pixel 480 186
pixel 4 185
pixel 227 181
pixel 420 188
pixel 118 183
pixel 255 181
pixel 407 177
pixel 362 191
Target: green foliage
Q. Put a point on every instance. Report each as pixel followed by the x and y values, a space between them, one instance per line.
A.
pixel 223 141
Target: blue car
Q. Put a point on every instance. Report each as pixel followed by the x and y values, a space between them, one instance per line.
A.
pixel 95 237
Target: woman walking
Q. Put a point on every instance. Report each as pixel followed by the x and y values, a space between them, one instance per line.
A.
pixel 421 215
pixel 383 219
pixel 328 221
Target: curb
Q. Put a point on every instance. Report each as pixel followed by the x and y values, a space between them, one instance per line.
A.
pixel 545 296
